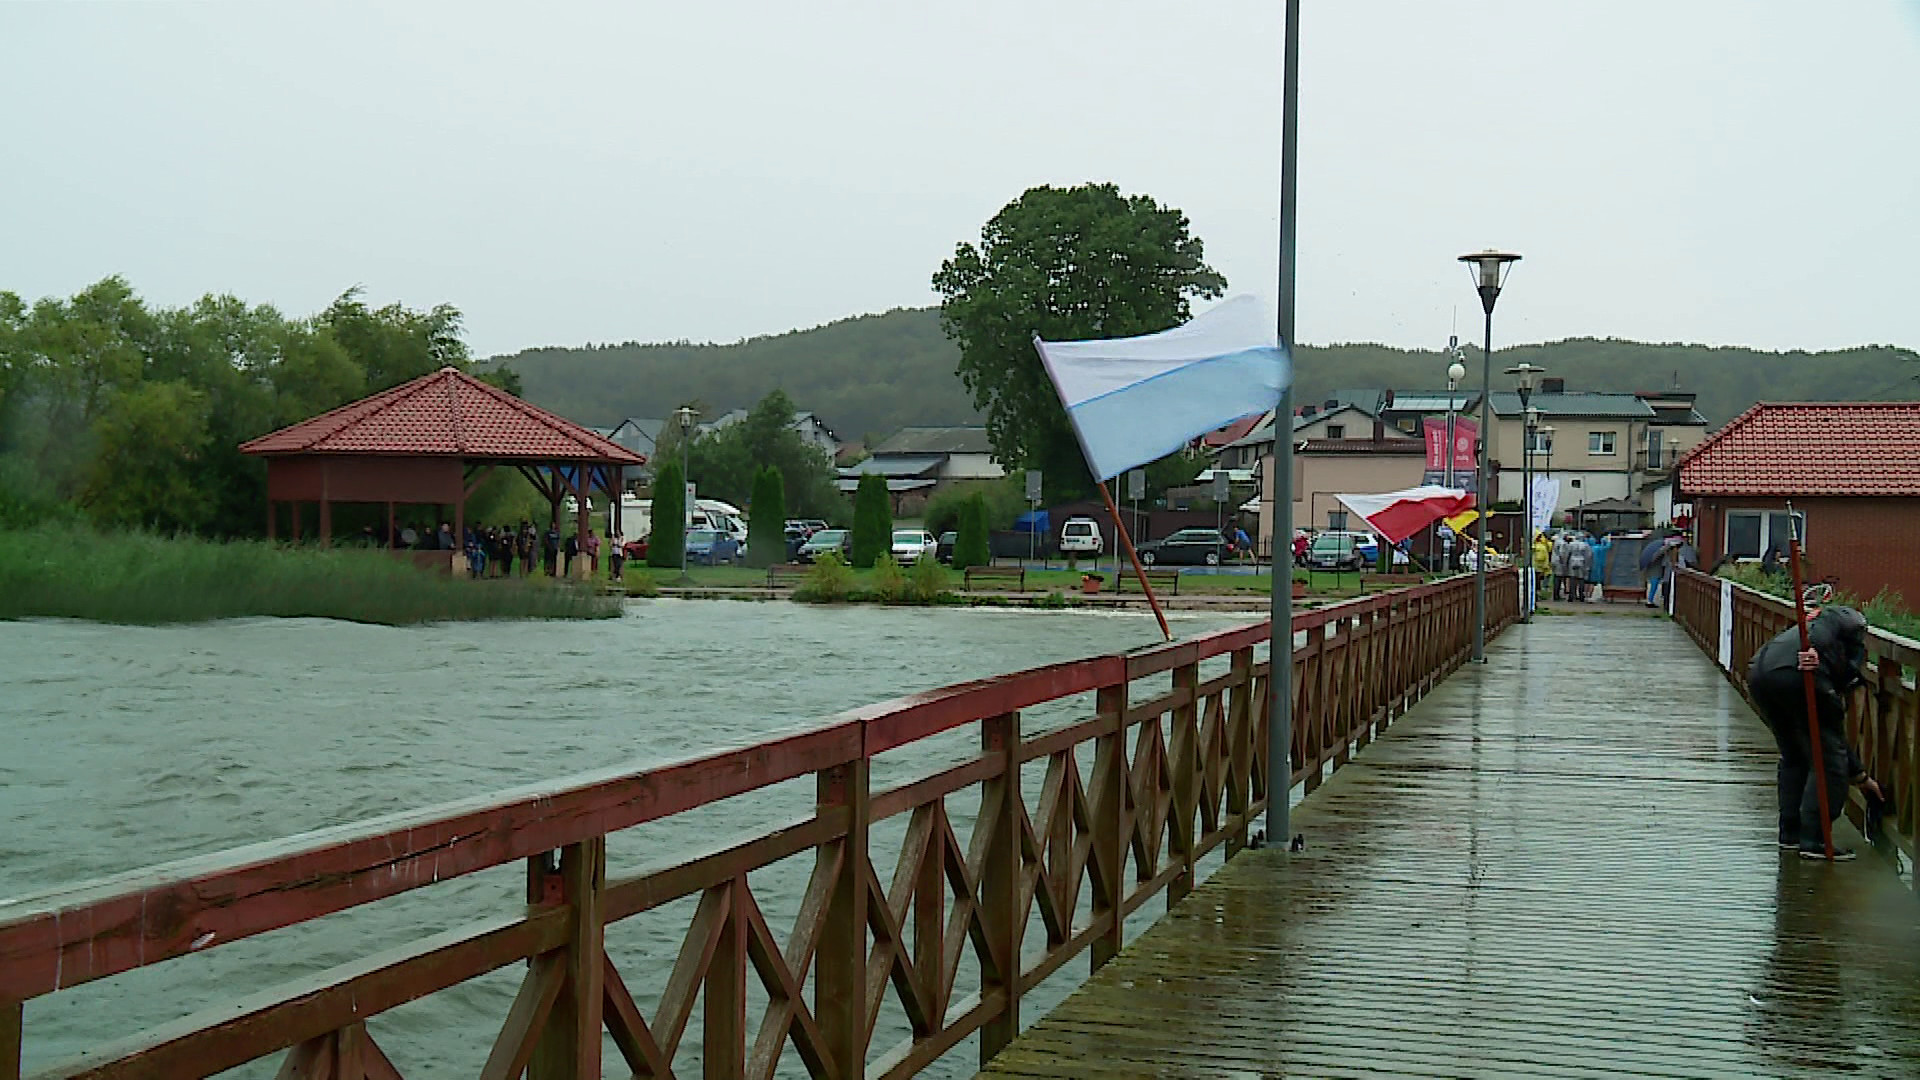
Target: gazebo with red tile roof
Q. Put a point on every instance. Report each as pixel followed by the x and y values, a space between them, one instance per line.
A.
pixel 432 441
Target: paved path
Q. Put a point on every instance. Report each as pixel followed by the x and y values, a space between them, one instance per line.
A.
pixel 1559 865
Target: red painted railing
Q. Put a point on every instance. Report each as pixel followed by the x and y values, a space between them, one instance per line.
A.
pixel 1731 621
pixel 1173 776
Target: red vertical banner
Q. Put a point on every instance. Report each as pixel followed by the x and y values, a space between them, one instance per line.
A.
pixel 1434 428
pixel 1464 433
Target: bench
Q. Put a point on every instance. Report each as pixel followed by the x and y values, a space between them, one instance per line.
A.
pixel 783 574
pixel 1157 579
pixel 998 575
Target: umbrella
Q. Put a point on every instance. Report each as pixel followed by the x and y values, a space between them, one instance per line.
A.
pixel 1654 551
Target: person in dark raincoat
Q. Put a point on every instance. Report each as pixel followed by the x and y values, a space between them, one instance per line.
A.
pixel 1839 639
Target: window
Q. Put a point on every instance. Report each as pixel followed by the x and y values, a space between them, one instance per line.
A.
pixel 1336 431
pixel 1654 448
pixel 1336 520
pixel 1751 533
pixel 1600 442
pixel 1540 442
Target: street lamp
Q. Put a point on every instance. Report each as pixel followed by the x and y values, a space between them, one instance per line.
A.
pixel 686 416
pixel 1525 374
pixel 1489 269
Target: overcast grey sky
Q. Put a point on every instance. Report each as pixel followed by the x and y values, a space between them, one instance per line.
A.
pixel 1728 171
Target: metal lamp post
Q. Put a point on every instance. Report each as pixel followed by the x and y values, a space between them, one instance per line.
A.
pixel 686 416
pixel 1525 374
pixel 1455 372
pixel 1489 269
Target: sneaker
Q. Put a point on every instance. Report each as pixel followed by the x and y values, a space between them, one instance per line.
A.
pixel 1791 843
pixel 1840 854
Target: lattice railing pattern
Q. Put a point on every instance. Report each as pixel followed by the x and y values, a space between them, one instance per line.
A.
pixel 952 931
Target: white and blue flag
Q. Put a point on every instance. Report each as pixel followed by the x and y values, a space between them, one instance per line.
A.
pixel 1138 399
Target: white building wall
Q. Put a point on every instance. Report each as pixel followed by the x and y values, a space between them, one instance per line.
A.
pixel 971 467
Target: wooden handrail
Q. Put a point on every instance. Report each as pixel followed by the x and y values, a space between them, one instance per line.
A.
pixel 1883 723
pixel 1172 779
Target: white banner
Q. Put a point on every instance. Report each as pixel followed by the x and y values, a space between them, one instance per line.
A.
pixel 1546 499
pixel 1726 625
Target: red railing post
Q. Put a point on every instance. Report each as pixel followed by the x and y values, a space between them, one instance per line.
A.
pixel 1183 764
pixel 1109 807
pixel 840 979
pixel 1000 881
pixel 1240 743
pixel 11 1016
pixel 723 1038
pixel 569 1045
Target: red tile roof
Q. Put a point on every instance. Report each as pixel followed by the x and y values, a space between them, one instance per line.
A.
pixel 447 413
pixel 1820 448
pixel 1236 430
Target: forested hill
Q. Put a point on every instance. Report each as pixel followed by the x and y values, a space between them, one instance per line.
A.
pixel 874 374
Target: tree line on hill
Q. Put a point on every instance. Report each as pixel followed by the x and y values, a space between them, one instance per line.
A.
pixel 872 375
pixel 131 415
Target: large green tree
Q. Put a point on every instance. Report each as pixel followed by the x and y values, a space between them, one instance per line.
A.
pixel 725 462
pixel 1062 263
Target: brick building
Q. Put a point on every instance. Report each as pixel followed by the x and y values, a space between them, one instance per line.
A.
pixel 1851 470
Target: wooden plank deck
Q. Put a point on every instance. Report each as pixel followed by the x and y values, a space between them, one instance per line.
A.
pixel 1559 865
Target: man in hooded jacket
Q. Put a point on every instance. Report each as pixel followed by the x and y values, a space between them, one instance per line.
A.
pixel 1838 636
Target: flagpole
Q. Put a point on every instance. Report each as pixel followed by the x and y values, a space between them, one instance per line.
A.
pixel 1134 557
pixel 1280 677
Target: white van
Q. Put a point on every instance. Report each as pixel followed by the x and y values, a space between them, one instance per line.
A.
pixel 1081 536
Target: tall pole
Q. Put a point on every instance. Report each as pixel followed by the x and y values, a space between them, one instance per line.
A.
pixel 1280 682
pixel 1523 550
pixel 1480 491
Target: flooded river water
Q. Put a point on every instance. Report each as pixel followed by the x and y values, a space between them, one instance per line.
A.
pixel 121 747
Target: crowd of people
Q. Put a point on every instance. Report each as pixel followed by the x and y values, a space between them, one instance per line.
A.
pixel 495 550
pixel 1574 565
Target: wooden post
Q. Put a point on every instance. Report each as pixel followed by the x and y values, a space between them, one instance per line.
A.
pixel 326 508
pixel 1109 806
pixel 1182 769
pixel 1239 736
pixel 12 1017
pixel 1000 880
pixel 271 508
pixel 390 530
pixel 723 1042
pixel 569 1046
pixel 840 970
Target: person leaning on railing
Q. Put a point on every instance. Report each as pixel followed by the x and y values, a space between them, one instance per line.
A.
pixel 1839 638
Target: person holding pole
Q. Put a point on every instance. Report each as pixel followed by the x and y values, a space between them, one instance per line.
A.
pixel 1813 774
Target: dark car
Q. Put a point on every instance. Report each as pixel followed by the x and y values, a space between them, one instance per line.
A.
pixel 1188 547
pixel 945 551
pixel 1338 551
pixel 710 547
pixel 834 540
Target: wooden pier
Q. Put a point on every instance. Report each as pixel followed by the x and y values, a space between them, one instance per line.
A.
pixel 1559 865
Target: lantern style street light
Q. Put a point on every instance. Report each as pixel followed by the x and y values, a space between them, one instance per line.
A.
pixel 1489 270
pixel 1524 375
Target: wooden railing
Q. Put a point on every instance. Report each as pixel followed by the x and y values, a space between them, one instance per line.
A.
pixel 1731 621
pixel 1176 771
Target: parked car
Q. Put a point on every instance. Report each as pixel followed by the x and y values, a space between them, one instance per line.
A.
pixel 834 540
pixel 947 541
pixel 1340 551
pixel 711 547
pixel 910 544
pixel 1080 536
pixel 1188 547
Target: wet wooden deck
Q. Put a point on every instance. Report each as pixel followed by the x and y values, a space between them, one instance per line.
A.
pixel 1560 865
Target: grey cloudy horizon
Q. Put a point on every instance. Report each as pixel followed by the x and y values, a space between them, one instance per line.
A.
pixel 1740 172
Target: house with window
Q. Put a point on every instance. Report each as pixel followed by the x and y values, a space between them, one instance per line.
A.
pixel 812 430
pixel 1325 468
pixel 1332 420
pixel 1851 471
pixel 1598 446
pixel 918 461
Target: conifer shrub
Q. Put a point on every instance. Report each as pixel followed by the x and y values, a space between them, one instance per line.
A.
pixel 872 521
pixel 973 546
pixel 669 518
pixel 766 530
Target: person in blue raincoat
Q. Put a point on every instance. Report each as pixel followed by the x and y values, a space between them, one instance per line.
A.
pixel 1597 573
